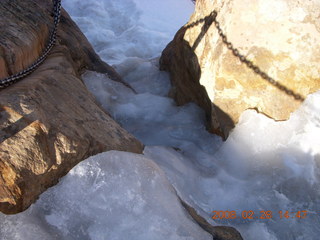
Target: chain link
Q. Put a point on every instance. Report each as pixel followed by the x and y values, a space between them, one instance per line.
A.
pixel 52 39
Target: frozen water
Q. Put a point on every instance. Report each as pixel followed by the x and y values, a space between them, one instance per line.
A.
pixel 129 28
pixel 154 119
pixel 114 195
pixel 263 166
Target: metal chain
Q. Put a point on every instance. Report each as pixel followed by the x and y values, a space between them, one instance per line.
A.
pixel 52 39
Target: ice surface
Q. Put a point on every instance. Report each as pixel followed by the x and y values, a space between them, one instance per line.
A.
pixel 138 73
pixel 114 196
pixel 129 28
pixel 154 119
pixel 264 165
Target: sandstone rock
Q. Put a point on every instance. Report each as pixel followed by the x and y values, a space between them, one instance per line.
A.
pixel 280 36
pixel 49 122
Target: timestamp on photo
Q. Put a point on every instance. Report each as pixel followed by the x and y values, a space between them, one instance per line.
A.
pixel 250 214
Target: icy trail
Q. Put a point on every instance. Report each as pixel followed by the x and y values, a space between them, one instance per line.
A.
pixel 264 165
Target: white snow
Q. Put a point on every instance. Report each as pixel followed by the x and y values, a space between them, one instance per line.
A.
pixel 263 166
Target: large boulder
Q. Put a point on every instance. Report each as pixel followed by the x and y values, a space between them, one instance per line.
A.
pixel 49 121
pixel 281 37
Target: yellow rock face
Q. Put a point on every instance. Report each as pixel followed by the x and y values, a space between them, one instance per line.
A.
pixel 281 37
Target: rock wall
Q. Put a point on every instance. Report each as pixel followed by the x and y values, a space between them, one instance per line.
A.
pixel 49 121
pixel 280 36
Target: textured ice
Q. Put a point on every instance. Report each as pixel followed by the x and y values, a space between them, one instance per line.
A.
pixel 114 195
pixel 154 119
pixel 264 165
pixel 129 28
